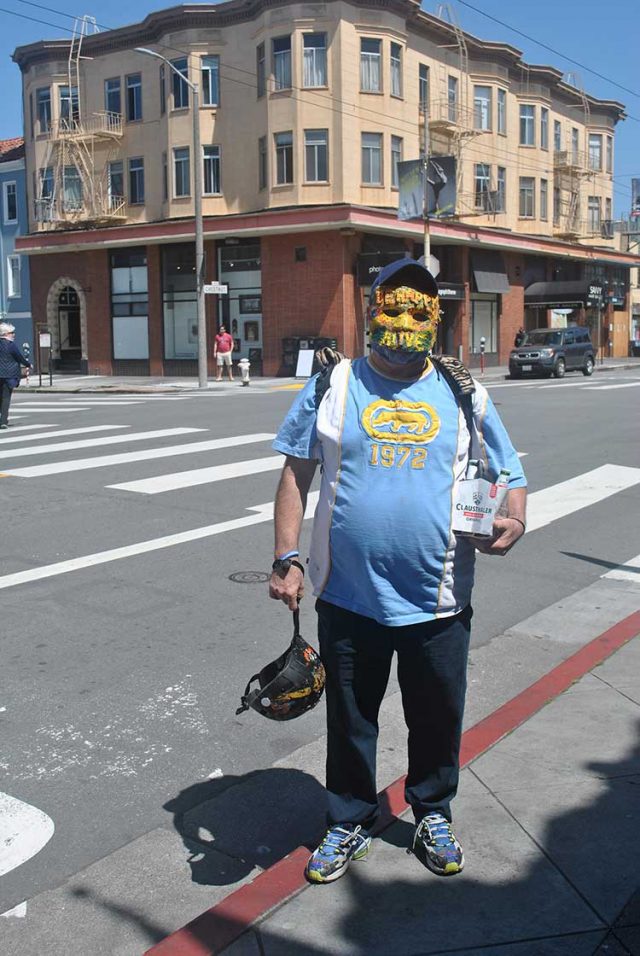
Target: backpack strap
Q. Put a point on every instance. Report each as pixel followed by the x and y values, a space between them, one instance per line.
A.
pixel 460 381
pixel 328 359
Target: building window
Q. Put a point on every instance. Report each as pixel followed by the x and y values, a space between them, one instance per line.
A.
pixel 372 159
pixel 370 62
pixel 115 172
pixel 281 51
pixel 262 162
pixel 595 151
pixel 10 191
pixel 607 209
pixel 544 128
pixel 452 98
pixel 316 155
pixel 211 80
pixel 556 205
pixel 423 87
pixel 165 178
pixel 261 70
pixel 527 197
pixel 43 109
pixel 396 69
pixel 557 135
pixel 71 189
pixel 181 172
pixel 527 125
pixel 31 116
pixel 396 157
pixel 544 199
pixel 179 301
pixel 46 183
pixel 575 143
pixel 113 95
pixel 13 277
pixel 609 155
pixel 482 185
pixel 501 191
pixel 130 304
pixel 136 181
pixel 482 107
pixel 134 97
pixel 314 62
pixel 284 157
pixel 163 90
pixel 593 214
pixel 502 112
pixel 484 323
pixel 212 171
pixel 69 107
pixel 178 85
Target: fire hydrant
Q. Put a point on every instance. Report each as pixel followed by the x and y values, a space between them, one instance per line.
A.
pixel 244 364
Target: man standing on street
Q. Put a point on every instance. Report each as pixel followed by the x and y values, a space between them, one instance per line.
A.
pixel 393 436
pixel 223 350
pixel 11 363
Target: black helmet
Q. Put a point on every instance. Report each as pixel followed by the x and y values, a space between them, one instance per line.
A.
pixel 290 685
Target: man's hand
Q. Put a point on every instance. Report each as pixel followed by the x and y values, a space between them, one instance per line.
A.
pixel 506 531
pixel 289 588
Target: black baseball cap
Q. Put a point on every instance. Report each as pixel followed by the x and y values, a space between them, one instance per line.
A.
pixel 406 272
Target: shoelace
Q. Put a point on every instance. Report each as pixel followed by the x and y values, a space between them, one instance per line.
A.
pixel 333 842
pixel 438 828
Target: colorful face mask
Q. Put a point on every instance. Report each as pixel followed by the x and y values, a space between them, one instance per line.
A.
pixel 403 319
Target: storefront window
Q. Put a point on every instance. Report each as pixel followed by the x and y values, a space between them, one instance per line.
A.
pixel 484 323
pixel 130 304
pixel 241 309
pixel 179 302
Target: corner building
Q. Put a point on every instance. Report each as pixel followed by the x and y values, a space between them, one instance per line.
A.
pixel 305 111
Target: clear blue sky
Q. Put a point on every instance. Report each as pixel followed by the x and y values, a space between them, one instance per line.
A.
pixel 601 36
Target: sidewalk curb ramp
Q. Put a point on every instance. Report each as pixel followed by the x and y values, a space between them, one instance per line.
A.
pixel 215 929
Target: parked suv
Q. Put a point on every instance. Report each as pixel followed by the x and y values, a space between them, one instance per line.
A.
pixel 553 352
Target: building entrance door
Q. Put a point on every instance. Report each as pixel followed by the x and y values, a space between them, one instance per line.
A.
pixel 69 335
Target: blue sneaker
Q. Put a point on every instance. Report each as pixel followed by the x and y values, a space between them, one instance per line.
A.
pixel 435 843
pixel 341 844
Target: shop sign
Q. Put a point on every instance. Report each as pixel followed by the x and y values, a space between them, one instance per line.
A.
pixel 450 290
pixel 371 263
pixel 594 296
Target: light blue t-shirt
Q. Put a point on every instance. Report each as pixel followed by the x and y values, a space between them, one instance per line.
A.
pixel 391 451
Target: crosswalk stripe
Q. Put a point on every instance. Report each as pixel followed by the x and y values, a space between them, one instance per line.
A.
pixel 261 513
pixel 629 571
pixel 65 431
pixel 75 403
pixel 98 442
pixel 24 428
pixel 103 461
pixel 57 410
pixel 200 476
pixel 572 495
pixel 606 388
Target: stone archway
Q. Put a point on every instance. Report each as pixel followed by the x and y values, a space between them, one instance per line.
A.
pixel 53 297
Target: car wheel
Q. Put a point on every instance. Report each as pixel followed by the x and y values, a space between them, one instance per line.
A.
pixel 588 366
pixel 560 368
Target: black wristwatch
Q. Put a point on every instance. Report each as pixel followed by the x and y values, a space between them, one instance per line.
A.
pixel 281 566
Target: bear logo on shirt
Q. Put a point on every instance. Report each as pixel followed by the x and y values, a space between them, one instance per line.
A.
pixel 398 421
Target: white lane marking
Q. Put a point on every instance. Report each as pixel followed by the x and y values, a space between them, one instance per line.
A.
pixel 103 461
pixel 24 830
pixel 620 574
pixel 48 411
pixel 562 384
pixel 60 434
pixel 99 442
pixel 558 501
pixel 200 476
pixel 606 388
pixel 28 428
pixel 261 514
pixel 19 911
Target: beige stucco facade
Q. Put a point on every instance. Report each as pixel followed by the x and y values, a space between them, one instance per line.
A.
pixel 340 107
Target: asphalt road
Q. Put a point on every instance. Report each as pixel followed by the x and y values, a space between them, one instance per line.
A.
pixel 120 680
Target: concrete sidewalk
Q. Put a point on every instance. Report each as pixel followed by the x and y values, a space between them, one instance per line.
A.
pixel 549 821
pixel 105 384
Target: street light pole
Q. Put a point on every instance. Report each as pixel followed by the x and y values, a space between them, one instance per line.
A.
pixel 199 228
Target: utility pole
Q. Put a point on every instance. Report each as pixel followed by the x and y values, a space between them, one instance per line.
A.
pixel 425 183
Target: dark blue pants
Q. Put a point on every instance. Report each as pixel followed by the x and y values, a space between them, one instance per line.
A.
pixel 432 667
pixel 6 392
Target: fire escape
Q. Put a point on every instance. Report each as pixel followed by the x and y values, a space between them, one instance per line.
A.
pixel 77 192
pixel 571 168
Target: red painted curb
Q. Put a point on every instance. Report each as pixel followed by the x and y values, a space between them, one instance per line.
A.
pixel 211 932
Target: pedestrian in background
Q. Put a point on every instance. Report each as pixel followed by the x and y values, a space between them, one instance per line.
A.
pixel 223 350
pixel 390 575
pixel 520 337
pixel 11 363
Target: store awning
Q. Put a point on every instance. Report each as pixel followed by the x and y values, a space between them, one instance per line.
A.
pixel 489 271
pixel 578 293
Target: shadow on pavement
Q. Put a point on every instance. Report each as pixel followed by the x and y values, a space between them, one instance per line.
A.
pixel 234 824
pixel 153 931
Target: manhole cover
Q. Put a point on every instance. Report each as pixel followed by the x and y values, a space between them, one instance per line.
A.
pixel 249 577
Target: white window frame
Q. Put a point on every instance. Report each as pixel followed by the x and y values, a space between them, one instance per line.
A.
pixel 557 136
pixel 284 157
pixel 482 109
pixel 312 151
pixel 530 193
pixel 314 61
pixel 214 157
pixel 210 69
pixel 481 197
pixel 595 145
pixel 594 214
pixel 282 63
pixel 370 150
pixel 179 86
pixel 395 70
pixel 544 127
pixel 501 111
pixel 108 92
pixel 367 60
pixel 14 287
pixel 5 202
pixel 527 125
pixel 423 86
pixel 501 193
pixel 544 199
pixel 453 89
pixel 609 155
pixel 397 149
pixel 182 160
